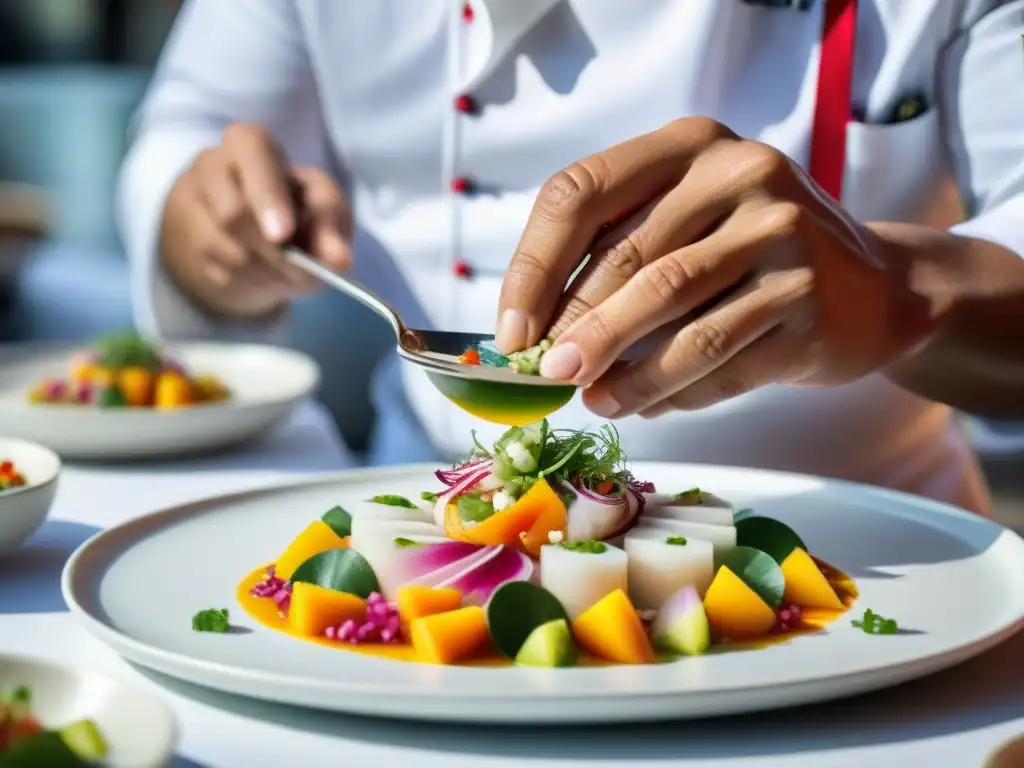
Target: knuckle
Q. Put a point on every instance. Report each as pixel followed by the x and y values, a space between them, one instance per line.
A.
pixel 702 131
pixel 573 309
pixel 712 342
pixel 566 194
pixel 641 384
pixel 601 331
pixel 667 277
pixel 525 267
pixel 764 164
pixel 783 220
pixel 244 133
pixel 623 258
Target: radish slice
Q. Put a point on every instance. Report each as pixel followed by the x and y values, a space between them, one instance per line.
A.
pixel 479 582
pixel 456 569
pixel 657 569
pixel 580 579
pixel 722 538
pixel 396 563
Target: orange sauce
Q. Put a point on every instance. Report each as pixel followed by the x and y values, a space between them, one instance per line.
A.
pixel 264 611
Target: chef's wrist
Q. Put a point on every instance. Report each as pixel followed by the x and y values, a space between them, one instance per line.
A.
pixel 960 299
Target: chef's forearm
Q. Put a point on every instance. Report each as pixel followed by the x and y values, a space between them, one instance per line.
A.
pixel 974 361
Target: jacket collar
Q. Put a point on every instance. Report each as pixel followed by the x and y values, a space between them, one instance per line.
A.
pixel 497 26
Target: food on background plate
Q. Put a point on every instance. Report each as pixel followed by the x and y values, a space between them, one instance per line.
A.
pixel 10 477
pixel 526 362
pixel 545 550
pixel 27 743
pixel 126 371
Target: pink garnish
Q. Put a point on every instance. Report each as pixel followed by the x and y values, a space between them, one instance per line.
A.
pixel 54 390
pixel 85 393
pixel 382 624
pixel 277 589
pixel 788 618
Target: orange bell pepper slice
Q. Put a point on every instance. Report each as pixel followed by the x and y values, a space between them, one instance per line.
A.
pixel 510 525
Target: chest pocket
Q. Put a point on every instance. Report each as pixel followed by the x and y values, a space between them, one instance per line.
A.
pixel 898 172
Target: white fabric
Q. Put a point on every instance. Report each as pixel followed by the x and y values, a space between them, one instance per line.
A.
pixel 368 88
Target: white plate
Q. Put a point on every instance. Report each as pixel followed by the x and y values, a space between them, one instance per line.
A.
pixel 954 580
pixel 266 383
pixel 139 729
pixel 22 510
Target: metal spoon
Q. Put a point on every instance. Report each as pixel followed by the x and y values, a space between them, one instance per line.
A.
pixel 479 389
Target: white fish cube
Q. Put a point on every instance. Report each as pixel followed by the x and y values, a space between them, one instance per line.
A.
pixel 657 569
pixel 580 579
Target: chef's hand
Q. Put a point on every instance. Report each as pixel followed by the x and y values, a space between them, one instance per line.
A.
pixel 675 219
pixel 229 214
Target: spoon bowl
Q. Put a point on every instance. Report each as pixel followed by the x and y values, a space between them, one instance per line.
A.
pixel 498 395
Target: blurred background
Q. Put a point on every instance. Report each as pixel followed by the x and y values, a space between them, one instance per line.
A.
pixel 71 74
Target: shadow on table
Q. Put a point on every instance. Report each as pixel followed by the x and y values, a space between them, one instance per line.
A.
pixel 980 693
pixel 31 581
pixel 183 762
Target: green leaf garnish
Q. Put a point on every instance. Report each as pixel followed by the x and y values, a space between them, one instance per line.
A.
pixel 473 509
pixel 689 498
pixel 126 349
pixel 402 543
pixel 428 496
pixel 588 546
pixel 343 570
pixel 393 500
pixel 339 520
pixel 873 624
pixel 211 620
pixel 676 541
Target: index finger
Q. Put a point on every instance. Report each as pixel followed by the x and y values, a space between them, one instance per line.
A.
pixel 263 178
pixel 574 205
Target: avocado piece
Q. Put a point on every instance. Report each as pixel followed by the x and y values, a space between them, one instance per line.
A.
pixel 85 740
pixel 112 397
pixel 44 749
pixel 549 645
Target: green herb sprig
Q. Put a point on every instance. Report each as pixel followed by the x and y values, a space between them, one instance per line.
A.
pixel 211 620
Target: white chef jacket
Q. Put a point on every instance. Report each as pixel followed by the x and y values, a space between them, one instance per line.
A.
pixel 367 88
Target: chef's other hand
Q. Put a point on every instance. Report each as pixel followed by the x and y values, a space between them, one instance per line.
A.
pixel 229 214
pixel 789 287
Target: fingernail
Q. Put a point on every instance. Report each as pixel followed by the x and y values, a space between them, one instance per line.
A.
pixel 274 226
pixel 602 403
pixel 512 331
pixel 561 362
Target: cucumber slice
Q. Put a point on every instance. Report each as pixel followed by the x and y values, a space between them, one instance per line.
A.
pixel 44 749
pixel 85 740
pixel 515 610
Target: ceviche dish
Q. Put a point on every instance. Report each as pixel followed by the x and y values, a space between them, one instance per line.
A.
pixel 27 743
pixel 544 550
pixel 126 371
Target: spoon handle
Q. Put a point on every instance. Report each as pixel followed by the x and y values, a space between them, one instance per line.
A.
pixel 349 287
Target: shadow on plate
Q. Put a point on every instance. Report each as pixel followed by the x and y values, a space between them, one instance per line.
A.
pixel 183 762
pixel 980 693
pixel 32 572
pixel 876 544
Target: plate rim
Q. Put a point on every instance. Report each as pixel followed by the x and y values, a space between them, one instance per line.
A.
pixel 160 659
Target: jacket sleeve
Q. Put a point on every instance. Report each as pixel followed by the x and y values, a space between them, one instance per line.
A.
pixel 981 91
pixel 224 62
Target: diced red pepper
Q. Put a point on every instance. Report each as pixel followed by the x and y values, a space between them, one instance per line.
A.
pixel 605 487
pixel 470 357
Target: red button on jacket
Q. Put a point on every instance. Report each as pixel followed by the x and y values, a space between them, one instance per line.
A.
pixel 465 103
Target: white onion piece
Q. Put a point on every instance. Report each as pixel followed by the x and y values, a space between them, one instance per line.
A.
pixel 580 579
pixel 490 483
pixel 657 570
pixel 722 538
pixel 373 510
pixel 368 528
pixel 693 514
pixel 588 519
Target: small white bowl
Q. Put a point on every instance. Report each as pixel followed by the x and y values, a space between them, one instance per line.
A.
pixel 140 730
pixel 23 510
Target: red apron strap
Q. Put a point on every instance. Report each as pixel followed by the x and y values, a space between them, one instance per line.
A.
pixel 832 111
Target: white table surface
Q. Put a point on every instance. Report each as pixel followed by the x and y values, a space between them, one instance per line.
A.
pixel 955 718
